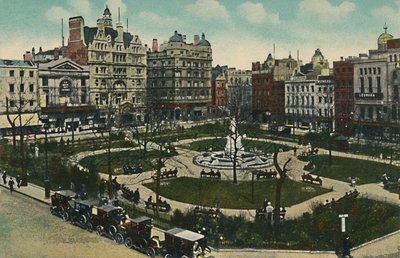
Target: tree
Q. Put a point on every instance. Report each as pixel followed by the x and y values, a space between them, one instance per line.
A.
pixel 238 115
pixel 279 183
pixel 16 108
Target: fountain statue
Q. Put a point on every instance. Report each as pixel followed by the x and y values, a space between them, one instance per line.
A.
pixel 232 137
pixel 224 159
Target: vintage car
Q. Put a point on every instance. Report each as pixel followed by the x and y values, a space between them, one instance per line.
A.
pixel 106 219
pixel 60 203
pixel 80 212
pixel 184 243
pixel 136 233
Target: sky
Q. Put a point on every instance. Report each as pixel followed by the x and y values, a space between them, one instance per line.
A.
pixel 240 32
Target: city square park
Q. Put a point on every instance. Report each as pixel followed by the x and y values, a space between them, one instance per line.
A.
pixel 310 220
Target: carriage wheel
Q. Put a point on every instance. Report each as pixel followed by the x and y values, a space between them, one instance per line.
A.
pixel 128 242
pixel 99 230
pixel 150 252
pixel 168 256
pixel 119 238
pixel 112 230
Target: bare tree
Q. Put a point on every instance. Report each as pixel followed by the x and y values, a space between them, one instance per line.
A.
pixel 16 108
pixel 282 177
pixel 238 116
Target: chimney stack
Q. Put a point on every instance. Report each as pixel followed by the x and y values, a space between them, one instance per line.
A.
pixel 154 47
pixel 28 57
pixel 196 39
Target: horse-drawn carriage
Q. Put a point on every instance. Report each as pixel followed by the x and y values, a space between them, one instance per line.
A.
pixel 136 233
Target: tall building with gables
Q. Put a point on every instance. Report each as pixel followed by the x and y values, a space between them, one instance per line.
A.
pixel 117 63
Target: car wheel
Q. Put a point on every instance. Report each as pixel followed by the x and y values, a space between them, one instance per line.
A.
pixel 119 238
pixel 128 242
pixel 99 230
pixel 82 219
pixel 150 252
pixel 65 215
pixel 143 243
pixel 89 227
pixel 168 256
pixel 112 230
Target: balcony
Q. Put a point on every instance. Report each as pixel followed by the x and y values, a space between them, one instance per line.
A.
pixel 373 96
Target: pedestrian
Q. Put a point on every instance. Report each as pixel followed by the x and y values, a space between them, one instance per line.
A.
pixel 11 184
pixel 270 210
pixel 295 150
pixel 4 177
pixel 346 247
pixel 18 179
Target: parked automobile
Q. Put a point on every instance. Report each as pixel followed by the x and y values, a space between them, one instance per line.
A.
pixel 60 203
pixel 105 220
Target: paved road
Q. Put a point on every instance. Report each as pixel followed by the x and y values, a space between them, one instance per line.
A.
pixel 27 229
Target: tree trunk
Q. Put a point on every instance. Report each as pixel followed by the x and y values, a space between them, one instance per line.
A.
pixel 234 166
pixel 110 185
pixel 278 190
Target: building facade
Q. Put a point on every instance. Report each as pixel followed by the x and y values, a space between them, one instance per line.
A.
pixel 117 62
pixel 64 96
pixel 343 74
pixel 376 90
pixel 309 99
pixel 268 82
pixel 179 78
pixel 240 90
pixel 19 95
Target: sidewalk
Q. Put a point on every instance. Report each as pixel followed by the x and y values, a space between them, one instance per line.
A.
pixel 388 245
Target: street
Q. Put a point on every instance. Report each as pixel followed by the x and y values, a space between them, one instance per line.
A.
pixel 29 230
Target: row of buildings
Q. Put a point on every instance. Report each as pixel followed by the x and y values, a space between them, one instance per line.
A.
pixel 105 74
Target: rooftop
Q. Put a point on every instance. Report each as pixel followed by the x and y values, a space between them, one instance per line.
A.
pixel 7 62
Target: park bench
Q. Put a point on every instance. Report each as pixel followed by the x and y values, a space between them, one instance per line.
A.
pixel 308 178
pixel 211 174
pixel 167 174
pixel 262 214
pixel 129 194
pixel 266 174
pixel 127 169
pixel 163 206
pixel 208 211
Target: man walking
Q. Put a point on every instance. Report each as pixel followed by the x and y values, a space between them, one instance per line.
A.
pixel 11 185
pixel 18 179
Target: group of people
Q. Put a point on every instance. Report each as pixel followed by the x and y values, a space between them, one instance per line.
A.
pixel 11 181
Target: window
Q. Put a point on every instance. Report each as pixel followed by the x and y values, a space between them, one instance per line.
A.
pixel 30 73
pixel 379 70
pixel 21 73
pixel 362 112
pixel 370 112
pixel 12 103
pixel 21 103
pixel 11 73
pixel 11 87
pixel 361 71
pixel 374 70
pixel 83 82
pixel 378 84
pixel 370 84
pixel 21 88
pixel 31 103
pixel 312 100
pixel 312 88
pixel 319 99
pixel 45 81
pixel 362 87
pixel 31 87
pixel 390 58
pixel 395 92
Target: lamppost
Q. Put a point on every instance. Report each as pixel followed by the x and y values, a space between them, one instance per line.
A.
pixel 47 178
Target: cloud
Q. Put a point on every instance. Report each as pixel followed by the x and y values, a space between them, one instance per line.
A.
pixel 387 13
pixel 55 13
pixel 82 5
pixel 325 11
pixel 208 10
pixel 255 13
pixel 154 19
pixel 113 5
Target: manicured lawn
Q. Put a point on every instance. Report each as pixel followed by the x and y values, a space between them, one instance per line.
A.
pixel 118 159
pixel 342 168
pixel 204 191
pixel 218 144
